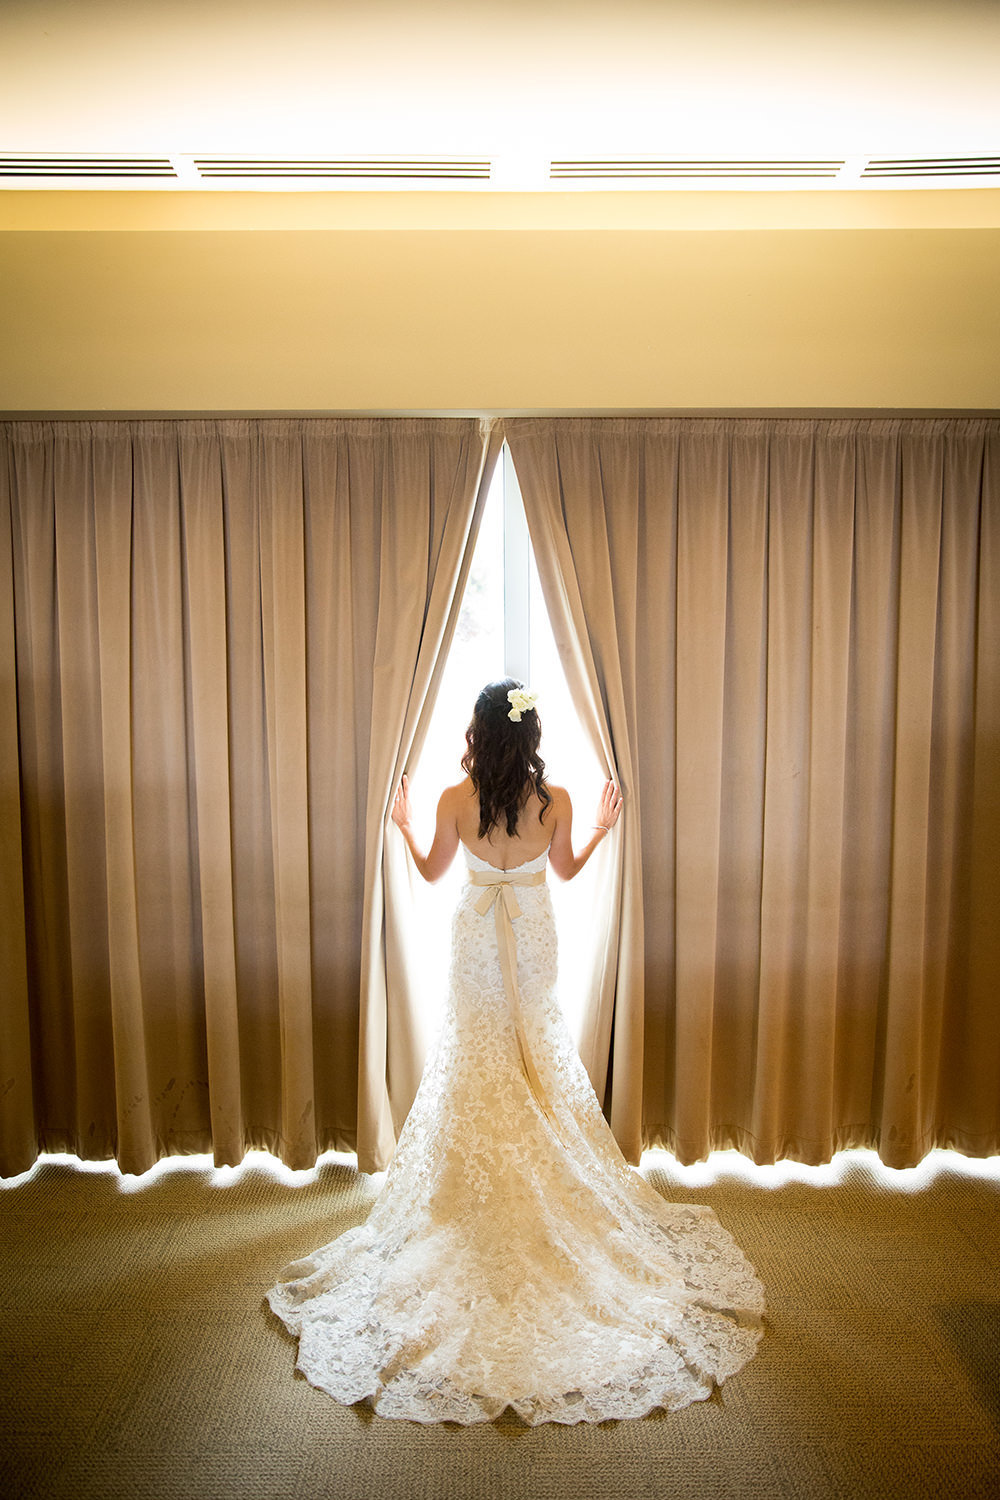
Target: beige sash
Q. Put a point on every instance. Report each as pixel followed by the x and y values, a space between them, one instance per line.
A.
pixel 499 893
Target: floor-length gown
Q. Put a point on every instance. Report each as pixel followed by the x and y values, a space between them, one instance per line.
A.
pixel 513 1257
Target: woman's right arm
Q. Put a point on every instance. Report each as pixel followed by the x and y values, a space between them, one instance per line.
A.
pixel 564 862
pixel 439 856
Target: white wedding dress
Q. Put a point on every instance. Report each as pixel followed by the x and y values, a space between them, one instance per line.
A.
pixel 513 1258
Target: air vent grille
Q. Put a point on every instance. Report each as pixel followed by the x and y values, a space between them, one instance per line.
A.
pixel 360 168
pixel 178 170
pixel 942 166
pixel 646 168
pixel 31 165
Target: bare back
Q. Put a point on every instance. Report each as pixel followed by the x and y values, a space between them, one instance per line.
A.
pixel 538 829
pixel 506 852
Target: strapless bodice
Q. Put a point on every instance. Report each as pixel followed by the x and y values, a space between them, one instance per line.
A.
pixel 474 862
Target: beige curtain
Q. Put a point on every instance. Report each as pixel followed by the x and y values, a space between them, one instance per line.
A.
pixel 216 640
pixel 595 627
pixel 786 635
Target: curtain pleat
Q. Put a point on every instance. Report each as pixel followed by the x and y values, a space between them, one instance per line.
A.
pixel 793 625
pixel 696 848
pixel 972 1047
pixel 17 1103
pixel 283 629
pixel 40 865
pixel 203 593
pixel 218 641
pixel 91 1019
pixel 111 498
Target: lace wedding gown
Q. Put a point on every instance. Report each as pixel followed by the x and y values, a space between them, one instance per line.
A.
pixel 513 1257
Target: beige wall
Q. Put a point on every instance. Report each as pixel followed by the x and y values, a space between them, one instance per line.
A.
pixel 149 303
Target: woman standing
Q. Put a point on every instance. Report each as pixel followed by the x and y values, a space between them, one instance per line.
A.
pixel 513 1257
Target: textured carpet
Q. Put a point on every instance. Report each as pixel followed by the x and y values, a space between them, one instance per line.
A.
pixel 139 1361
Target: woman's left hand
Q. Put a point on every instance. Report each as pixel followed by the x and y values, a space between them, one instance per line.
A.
pixel 609 807
pixel 401 811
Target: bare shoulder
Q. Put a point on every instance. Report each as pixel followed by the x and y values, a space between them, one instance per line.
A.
pixel 454 799
pixel 561 805
pixel 454 796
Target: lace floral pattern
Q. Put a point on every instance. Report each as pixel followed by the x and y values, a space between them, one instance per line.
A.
pixel 510 1262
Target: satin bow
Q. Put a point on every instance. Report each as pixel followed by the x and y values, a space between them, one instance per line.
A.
pixel 498 892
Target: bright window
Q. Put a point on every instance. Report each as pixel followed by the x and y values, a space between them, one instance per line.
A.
pixel 503 630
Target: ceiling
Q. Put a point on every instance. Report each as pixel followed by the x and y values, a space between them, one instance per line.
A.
pixel 553 96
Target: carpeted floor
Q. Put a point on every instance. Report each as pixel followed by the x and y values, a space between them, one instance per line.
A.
pixel 139 1361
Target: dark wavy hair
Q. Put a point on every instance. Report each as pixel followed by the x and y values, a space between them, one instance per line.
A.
pixel 502 759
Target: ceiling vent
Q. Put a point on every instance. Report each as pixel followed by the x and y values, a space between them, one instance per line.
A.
pixel 359 169
pixel 643 168
pixel 940 166
pixel 72 166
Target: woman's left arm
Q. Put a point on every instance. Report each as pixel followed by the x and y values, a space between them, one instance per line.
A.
pixel 564 862
pixel 439 856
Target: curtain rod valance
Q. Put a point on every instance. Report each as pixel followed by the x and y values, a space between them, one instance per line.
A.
pixel 783 427
pixel 377 428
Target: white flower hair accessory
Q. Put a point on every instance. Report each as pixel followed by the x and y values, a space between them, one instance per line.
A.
pixel 521 701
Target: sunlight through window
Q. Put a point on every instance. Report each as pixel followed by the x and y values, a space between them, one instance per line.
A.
pixel 504 630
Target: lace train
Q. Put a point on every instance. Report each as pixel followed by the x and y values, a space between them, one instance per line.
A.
pixel 513 1258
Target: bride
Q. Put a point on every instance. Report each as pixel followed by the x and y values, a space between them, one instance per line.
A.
pixel 513 1257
